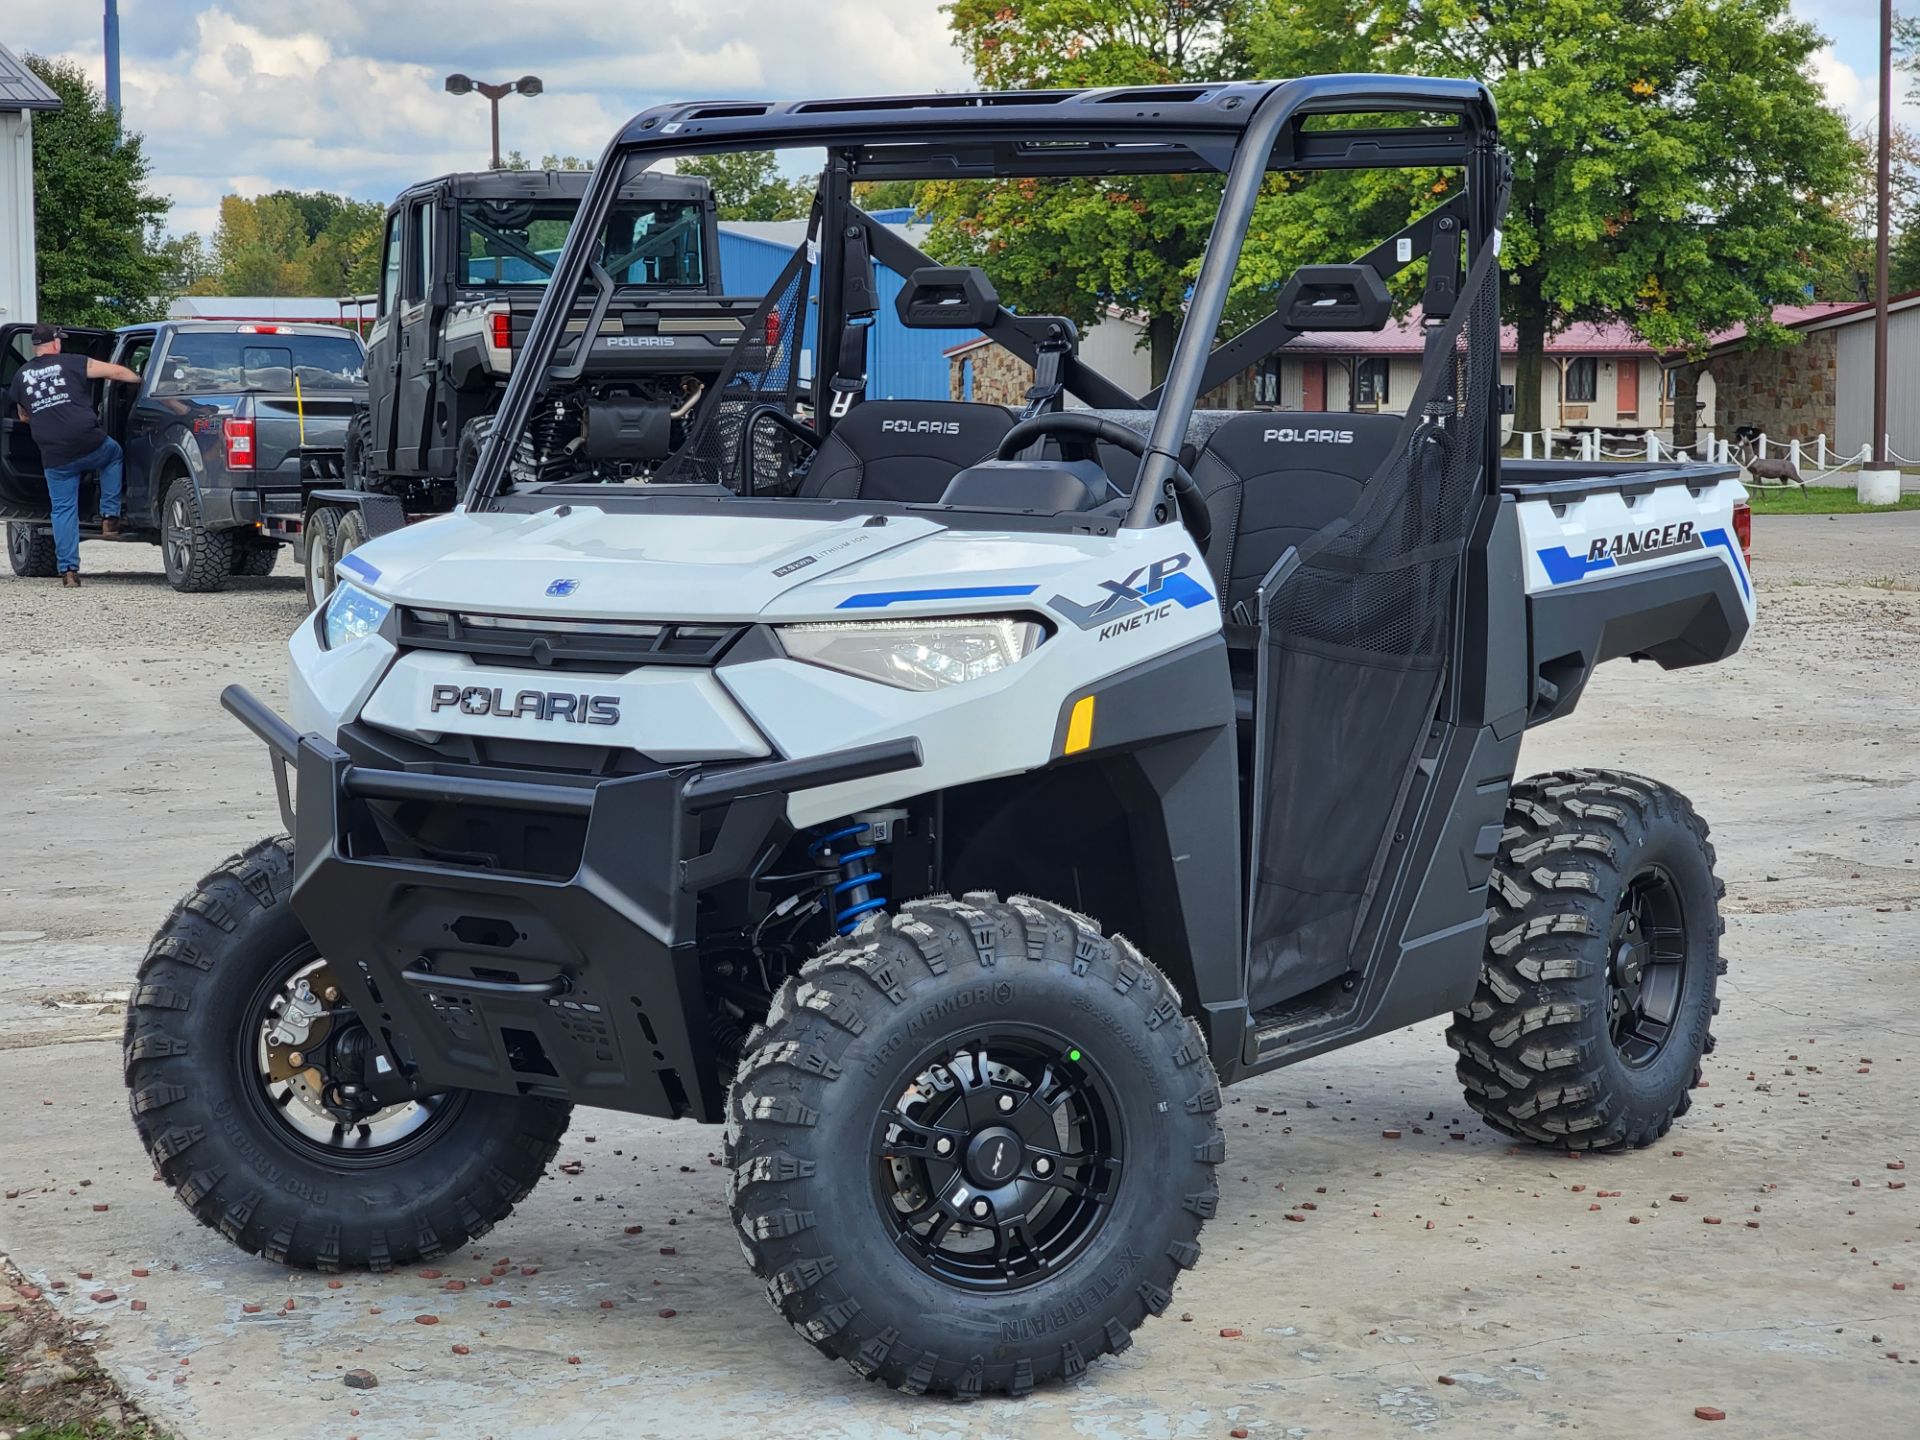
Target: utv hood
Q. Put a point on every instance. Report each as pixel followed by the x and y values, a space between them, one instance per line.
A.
pixel 580 560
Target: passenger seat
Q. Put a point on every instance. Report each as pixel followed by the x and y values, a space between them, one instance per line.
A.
pixel 903 450
pixel 1272 479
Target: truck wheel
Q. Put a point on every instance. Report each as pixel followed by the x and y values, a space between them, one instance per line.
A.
pixel 323 553
pixel 197 559
pixel 254 559
pixel 235 1066
pixel 30 550
pixel 1603 956
pixel 973 1146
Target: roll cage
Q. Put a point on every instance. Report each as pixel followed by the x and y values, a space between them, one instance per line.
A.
pixel 1242 130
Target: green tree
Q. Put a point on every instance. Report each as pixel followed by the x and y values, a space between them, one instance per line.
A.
pixel 1076 247
pixel 101 257
pixel 1675 163
pixel 749 186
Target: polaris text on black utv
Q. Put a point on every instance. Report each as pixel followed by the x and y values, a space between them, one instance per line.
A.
pixel 951 813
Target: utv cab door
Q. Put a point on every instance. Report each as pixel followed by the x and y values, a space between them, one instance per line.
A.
pixel 23 483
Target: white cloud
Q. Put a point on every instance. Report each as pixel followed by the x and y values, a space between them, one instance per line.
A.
pixel 242 96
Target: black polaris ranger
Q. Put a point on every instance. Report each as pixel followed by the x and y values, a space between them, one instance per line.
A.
pixel 950 815
pixel 466 260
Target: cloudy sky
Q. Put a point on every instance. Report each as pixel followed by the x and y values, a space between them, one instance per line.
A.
pixel 254 95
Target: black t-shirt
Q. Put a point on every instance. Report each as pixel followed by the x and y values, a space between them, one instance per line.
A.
pixel 52 389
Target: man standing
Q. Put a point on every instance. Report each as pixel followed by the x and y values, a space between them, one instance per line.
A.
pixel 51 394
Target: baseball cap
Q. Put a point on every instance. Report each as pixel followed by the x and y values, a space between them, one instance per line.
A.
pixel 44 334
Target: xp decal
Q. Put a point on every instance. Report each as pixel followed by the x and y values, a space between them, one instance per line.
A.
pixel 527 704
pixel 1156 587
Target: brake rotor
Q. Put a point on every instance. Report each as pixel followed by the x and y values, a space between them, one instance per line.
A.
pixel 300 1028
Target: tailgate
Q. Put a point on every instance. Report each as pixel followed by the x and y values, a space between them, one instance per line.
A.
pixel 283 425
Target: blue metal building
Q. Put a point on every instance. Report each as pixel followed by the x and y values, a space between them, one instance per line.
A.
pixel 902 364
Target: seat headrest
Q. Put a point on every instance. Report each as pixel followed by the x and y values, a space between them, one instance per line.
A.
pixel 1331 442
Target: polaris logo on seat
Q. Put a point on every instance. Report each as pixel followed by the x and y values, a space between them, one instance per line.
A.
pixel 478 700
pixel 1309 437
pixel 921 427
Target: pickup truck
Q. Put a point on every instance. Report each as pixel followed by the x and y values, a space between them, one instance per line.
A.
pixel 229 428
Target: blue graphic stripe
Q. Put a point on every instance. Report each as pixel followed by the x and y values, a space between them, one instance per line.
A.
pixel 1563 566
pixel 359 567
pixel 1727 543
pixel 880 599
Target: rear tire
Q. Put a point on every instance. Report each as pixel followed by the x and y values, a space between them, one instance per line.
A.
pixel 197 559
pixel 1603 957
pixel 323 553
pixel 873 1057
pixel 249 1164
pixel 30 550
pixel 255 559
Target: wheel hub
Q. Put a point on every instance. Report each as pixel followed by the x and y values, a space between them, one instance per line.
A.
pixel 994 1156
pixel 999 1162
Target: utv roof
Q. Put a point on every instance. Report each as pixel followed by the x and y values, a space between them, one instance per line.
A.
pixel 1140 119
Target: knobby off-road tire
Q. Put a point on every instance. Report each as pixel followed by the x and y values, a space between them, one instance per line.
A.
pixel 1603 956
pixel 30 550
pixel 254 559
pixel 1083 1018
pixel 189 1053
pixel 197 559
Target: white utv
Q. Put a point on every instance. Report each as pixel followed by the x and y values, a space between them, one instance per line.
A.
pixel 952 814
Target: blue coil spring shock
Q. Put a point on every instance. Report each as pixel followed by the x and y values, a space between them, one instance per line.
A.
pixel 854 894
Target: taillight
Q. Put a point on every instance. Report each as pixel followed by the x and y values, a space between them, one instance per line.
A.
pixel 1743 532
pixel 239 438
pixel 773 328
pixel 502 330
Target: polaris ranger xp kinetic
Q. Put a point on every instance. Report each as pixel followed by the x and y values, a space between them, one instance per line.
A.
pixel 952 814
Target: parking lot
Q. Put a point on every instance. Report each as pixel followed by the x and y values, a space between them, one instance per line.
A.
pixel 1381 1263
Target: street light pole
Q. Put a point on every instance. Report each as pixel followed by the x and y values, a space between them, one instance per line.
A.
pixel 1879 482
pixel 495 93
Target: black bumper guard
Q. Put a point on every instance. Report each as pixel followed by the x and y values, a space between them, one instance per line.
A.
pixel 587 988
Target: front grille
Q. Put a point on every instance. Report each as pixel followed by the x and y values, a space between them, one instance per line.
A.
pixel 604 646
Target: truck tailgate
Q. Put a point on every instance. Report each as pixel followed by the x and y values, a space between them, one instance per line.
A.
pixel 285 424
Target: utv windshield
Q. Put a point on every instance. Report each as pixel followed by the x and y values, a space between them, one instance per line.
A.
pixel 649 244
pixel 1036 307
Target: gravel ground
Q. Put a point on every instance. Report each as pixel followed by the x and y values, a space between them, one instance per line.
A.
pixel 1437 1285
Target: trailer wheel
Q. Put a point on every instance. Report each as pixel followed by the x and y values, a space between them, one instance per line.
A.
pixel 973 1146
pixel 30 550
pixel 322 554
pixel 197 559
pixel 1603 957
pixel 236 1055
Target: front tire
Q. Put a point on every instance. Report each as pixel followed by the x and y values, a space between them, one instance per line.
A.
pixel 1603 958
pixel 30 550
pixel 197 559
pixel 973 1146
pixel 227 1111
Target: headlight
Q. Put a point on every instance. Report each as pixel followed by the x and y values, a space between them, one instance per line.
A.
pixel 351 614
pixel 915 654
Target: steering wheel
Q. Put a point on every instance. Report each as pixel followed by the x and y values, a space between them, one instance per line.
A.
pixel 1078 434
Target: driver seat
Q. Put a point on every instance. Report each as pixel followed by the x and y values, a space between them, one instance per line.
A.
pixel 903 450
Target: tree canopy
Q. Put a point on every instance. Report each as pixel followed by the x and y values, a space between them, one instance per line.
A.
pixel 97 226
pixel 1676 164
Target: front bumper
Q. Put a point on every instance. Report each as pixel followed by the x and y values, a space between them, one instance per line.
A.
pixel 585 987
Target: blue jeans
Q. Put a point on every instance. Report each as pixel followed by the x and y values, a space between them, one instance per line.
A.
pixel 63 485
